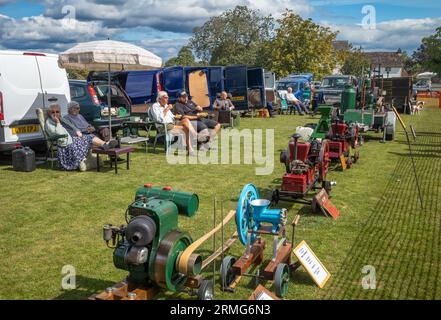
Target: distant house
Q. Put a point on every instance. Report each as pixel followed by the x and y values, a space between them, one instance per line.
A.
pixel 391 64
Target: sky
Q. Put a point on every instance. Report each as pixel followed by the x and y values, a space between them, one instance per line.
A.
pixel 163 27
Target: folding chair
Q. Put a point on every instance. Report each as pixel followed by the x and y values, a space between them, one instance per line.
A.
pixel 161 132
pixel 51 141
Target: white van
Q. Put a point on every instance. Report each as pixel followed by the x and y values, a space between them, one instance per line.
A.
pixel 28 81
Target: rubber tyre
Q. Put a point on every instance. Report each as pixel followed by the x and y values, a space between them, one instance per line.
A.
pixel 205 291
pixel 226 275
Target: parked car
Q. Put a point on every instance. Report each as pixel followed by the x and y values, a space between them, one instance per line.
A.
pixel 300 87
pixel 28 80
pixel 332 87
pixel 91 94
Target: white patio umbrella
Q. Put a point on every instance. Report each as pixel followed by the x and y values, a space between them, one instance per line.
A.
pixel 108 55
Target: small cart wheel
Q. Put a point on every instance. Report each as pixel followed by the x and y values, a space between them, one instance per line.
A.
pixel 281 280
pixel 226 272
pixel 205 291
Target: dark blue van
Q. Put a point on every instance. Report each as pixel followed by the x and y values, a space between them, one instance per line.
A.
pixel 143 86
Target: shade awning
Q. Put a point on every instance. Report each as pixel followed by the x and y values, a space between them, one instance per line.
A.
pixel 98 55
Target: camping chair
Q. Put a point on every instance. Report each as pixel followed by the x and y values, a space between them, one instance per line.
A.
pixel 224 117
pixel 51 142
pixel 161 132
pixel 283 104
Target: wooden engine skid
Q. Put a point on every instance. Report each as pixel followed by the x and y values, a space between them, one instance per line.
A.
pixel 251 213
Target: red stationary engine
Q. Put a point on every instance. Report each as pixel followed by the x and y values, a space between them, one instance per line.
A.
pixel 307 165
pixel 342 138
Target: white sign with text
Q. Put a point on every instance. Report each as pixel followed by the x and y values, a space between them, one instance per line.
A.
pixel 312 264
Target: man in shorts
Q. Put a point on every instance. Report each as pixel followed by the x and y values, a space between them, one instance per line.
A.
pixel 187 109
pixel 162 113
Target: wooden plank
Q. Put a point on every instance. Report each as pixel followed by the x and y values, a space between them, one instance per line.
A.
pixel 262 293
pixel 283 256
pixel 104 296
pixel 343 162
pixel 321 200
pixel 219 251
pixel 120 289
pixel 185 256
pixel 255 257
pixel 198 87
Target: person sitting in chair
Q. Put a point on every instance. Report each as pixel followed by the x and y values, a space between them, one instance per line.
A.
pixel 185 108
pixel 223 103
pixel 72 149
pixel 296 103
pixel 75 121
pixel 162 114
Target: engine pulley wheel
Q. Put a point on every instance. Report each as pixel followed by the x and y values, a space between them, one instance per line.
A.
pixel 166 274
pixel 244 220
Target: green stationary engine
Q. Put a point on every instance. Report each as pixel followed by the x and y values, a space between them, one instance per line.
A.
pixel 151 244
pixel 367 115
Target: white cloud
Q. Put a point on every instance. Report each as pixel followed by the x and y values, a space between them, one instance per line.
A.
pixel 40 32
pixel 166 25
pixel 165 48
pixel 390 35
pixel 172 15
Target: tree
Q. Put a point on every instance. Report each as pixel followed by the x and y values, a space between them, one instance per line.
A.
pixel 185 57
pixel 431 52
pixel 234 37
pixel 354 62
pixel 302 46
pixel 77 74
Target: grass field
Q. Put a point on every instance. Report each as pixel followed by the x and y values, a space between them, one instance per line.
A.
pixel 50 218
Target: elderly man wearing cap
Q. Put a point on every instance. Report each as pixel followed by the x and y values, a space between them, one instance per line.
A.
pixel 162 113
pixel 186 108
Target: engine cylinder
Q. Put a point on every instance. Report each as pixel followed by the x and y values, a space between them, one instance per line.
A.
pixel 141 231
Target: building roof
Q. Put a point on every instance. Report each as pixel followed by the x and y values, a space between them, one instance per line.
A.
pixel 386 59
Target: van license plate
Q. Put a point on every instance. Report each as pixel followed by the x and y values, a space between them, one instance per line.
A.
pixel 25 129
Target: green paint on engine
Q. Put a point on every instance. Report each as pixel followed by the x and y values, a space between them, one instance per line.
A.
pixel 324 125
pixel 163 207
pixel 187 203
